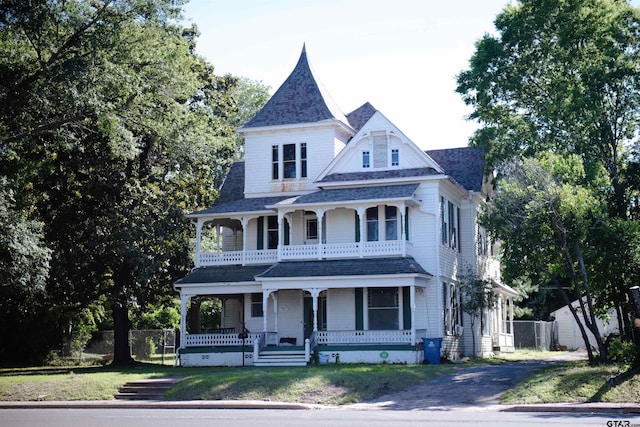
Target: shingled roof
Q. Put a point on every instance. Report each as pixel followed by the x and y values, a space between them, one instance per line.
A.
pixel 345 267
pixel 300 99
pixel 360 193
pixel 377 175
pixel 361 115
pixel 222 274
pixel 465 165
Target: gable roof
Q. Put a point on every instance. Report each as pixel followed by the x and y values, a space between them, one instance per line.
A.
pixel 344 267
pixel 465 165
pixel 300 99
pixel 361 115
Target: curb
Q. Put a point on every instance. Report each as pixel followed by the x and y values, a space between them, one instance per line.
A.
pixel 581 408
pixel 157 404
pixel 577 408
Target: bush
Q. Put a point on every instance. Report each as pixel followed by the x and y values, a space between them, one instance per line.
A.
pixel 624 352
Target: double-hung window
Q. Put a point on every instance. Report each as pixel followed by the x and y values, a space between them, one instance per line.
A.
pixel 275 162
pixel 289 160
pixel 256 305
pixel 383 308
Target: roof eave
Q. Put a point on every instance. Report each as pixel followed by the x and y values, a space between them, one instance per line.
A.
pixel 323 123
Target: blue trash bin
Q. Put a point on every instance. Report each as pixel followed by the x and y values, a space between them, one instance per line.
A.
pixel 432 350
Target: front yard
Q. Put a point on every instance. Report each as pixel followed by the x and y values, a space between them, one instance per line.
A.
pixel 326 384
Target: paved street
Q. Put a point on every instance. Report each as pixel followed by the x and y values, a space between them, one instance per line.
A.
pixel 276 418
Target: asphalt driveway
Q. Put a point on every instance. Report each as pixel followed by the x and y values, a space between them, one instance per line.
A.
pixel 476 386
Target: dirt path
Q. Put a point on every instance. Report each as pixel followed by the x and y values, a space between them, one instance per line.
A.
pixel 477 386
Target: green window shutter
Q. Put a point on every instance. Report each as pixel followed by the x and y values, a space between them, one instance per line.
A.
pixel 357 227
pixel 261 233
pixel 287 233
pixel 406 307
pixel 406 224
pixel 359 311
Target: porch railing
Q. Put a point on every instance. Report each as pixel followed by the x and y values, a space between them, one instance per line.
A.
pixel 265 256
pixel 299 252
pixel 364 337
pixel 258 344
pixel 309 345
pixel 210 340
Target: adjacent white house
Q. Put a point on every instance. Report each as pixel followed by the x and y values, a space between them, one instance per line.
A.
pixel 338 236
pixel 568 331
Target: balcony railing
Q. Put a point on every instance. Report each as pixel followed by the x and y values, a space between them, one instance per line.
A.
pixel 265 256
pixel 307 252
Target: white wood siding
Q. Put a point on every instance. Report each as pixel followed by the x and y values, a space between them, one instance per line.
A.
pixel 321 144
pixel 290 315
pixel 341 310
pixel 341 225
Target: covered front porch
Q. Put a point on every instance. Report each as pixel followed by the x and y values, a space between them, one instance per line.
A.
pixel 288 321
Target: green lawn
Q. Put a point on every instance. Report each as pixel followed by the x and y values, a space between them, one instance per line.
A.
pixel 577 382
pixel 325 384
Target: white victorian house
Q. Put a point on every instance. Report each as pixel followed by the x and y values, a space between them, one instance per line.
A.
pixel 338 236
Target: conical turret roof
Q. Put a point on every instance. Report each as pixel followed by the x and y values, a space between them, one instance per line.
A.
pixel 300 99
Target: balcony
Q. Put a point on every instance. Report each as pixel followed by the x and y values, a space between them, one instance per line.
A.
pixel 307 252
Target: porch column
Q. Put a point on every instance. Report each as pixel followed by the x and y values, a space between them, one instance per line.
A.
pixel 218 245
pixel 315 293
pixel 363 236
pixel 412 301
pixel 511 315
pixel 320 217
pixel 403 237
pixel 184 299
pixel 245 222
pixel 265 302
pixel 274 296
pixel 280 234
pixel 199 225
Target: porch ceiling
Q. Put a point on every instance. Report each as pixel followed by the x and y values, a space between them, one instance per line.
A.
pixel 345 267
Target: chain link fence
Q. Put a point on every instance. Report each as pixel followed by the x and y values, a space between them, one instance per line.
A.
pixel 536 334
pixel 155 345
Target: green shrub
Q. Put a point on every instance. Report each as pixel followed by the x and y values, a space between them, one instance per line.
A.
pixel 624 352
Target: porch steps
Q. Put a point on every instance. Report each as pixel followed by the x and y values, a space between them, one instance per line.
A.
pixel 149 389
pixel 280 357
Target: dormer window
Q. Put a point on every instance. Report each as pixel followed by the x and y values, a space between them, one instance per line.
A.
pixel 366 159
pixel 395 157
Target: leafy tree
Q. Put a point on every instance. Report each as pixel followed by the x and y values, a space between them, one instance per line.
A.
pixel 562 76
pixel 24 266
pixel 111 128
pixel 544 222
pixel 478 297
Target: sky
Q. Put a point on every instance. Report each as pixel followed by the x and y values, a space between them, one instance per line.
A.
pixel 402 56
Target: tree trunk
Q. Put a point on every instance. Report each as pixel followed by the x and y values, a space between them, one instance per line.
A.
pixel 121 327
pixel 634 296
